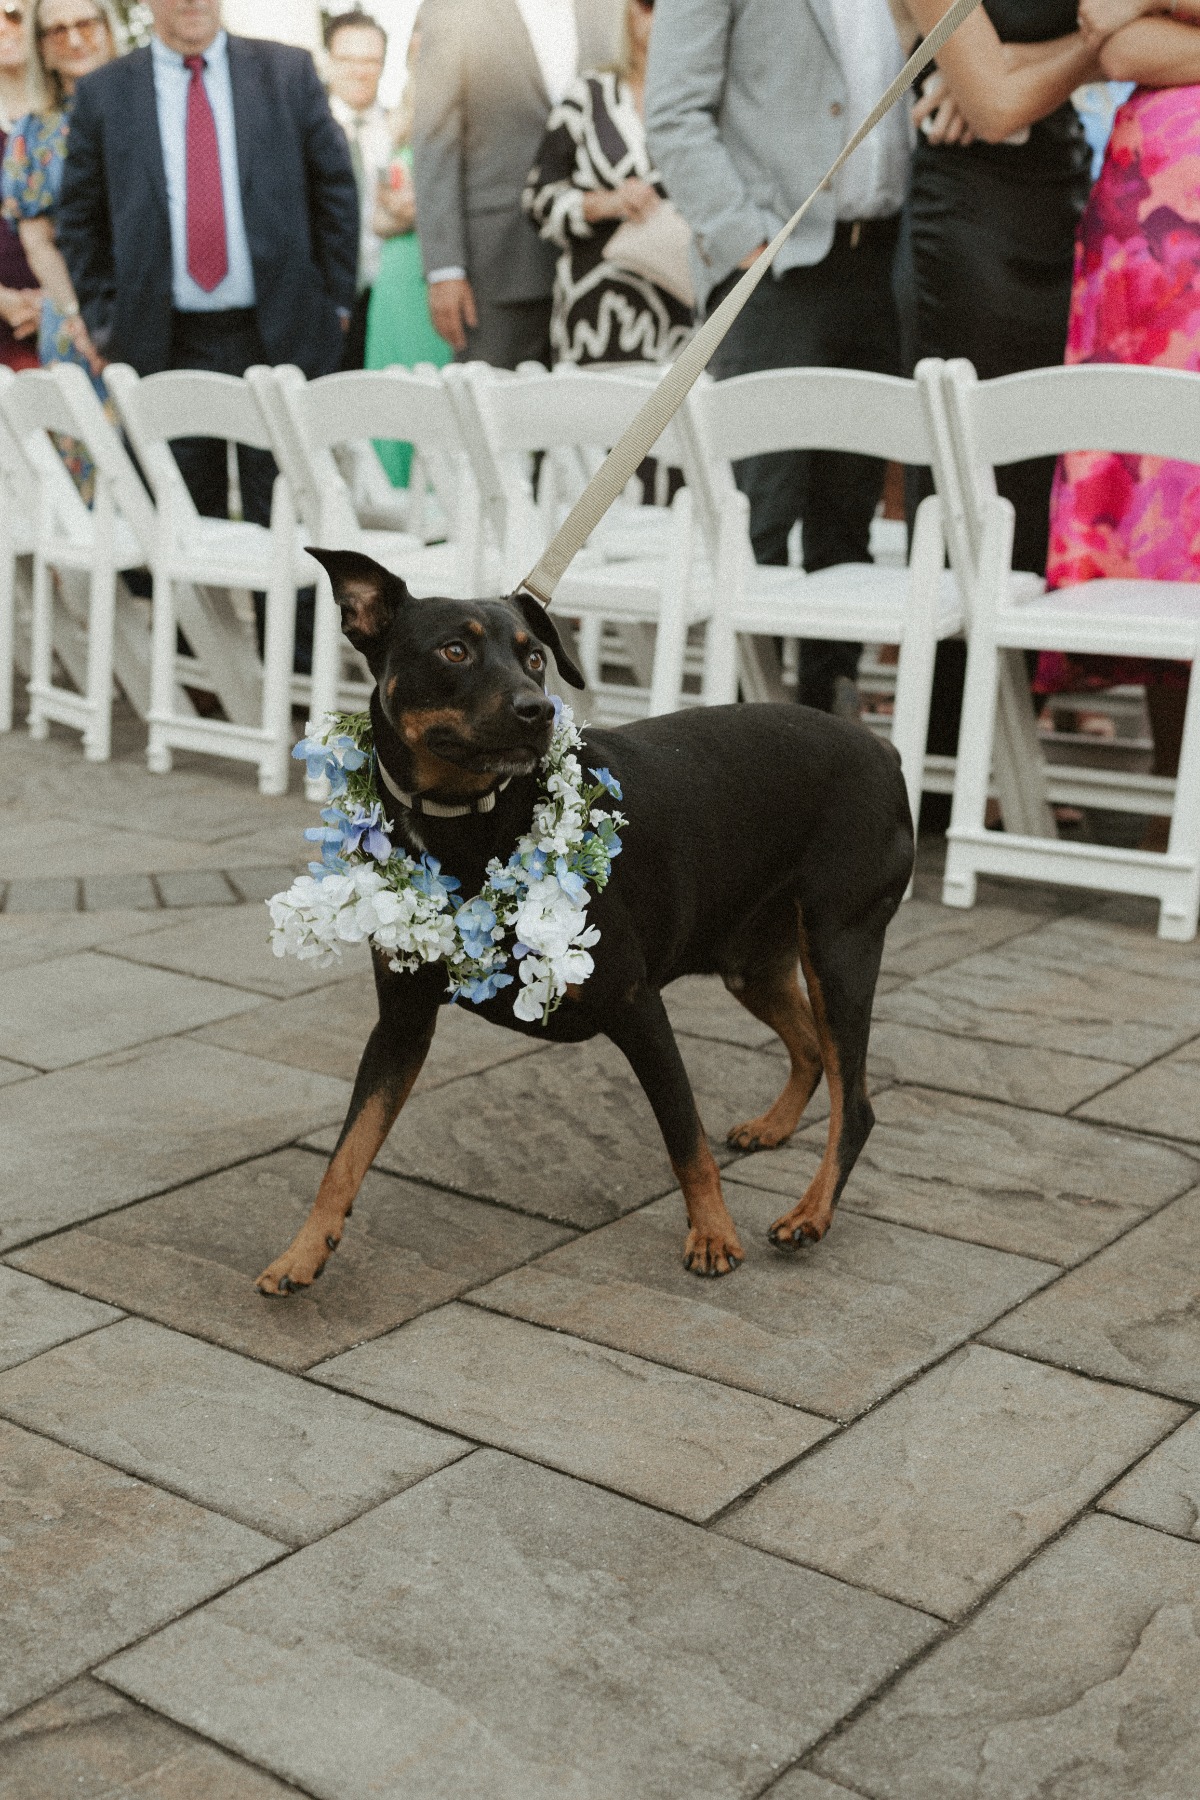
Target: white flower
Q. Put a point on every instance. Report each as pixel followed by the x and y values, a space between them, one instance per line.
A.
pixel 547 919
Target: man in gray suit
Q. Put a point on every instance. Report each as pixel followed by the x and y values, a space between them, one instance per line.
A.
pixel 488 73
pixel 747 104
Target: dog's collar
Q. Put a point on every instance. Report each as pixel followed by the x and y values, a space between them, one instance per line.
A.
pixel 434 809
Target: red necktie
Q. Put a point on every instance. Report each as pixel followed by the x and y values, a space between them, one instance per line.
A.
pixel 207 256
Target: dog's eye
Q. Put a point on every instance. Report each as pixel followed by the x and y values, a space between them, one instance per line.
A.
pixel 454 653
pixel 535 662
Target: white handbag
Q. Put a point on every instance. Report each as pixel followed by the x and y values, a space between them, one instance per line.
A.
pixel 657 249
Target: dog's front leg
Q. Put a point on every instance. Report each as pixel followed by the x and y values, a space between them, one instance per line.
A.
pixel 391 1062
pixel 643 1032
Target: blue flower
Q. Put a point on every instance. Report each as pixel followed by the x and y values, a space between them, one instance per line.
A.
pixel 535 862
pixel 572 885
pixel 485 987
pixel 363 830
pixel 329 761
pixel 475 922
pixel 557 704
pixel 608 781
pixel 430 881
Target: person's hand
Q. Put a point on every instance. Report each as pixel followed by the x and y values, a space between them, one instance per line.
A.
pixel 395 203
pixel 21 310
pixel 637 199
pixel 452 309
pixel 938 115
pixel 77 331
pixel 1098 19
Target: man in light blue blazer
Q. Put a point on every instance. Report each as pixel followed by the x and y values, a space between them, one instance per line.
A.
pixel 747 104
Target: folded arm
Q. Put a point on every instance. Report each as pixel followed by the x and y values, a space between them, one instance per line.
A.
pixel 1155 51
pixel 1001 88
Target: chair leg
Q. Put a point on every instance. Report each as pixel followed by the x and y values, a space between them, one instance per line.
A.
pixel 670 644
pixel 1180 907
pixel 279 639
pixel 914 670
pixel 102 606
pixel 972 768
pixel 8 633
pixel 162 673
pixel 41 651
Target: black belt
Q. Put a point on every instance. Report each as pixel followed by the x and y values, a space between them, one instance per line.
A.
pixel 856 234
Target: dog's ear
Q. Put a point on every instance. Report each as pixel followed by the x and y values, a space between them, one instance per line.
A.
pixel 368 595
pixel 542 626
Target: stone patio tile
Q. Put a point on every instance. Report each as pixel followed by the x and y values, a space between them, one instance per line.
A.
pixel 569 1134
pixel 832 1328
pixel 42 893
pixel 797 1784
pixel 260 884
pixel 1082 1678
pixel 11 1071
pixel 195 887
pixel 701 1006
pixel 91 1743
pixel 1129 1314
pixel 925 935
pixel 1165 1098
pixel 144 1120
pixel 56 848
pixel 34 1316
pixel 1015 996
pixel 28 938
pixel 503 1630
pixel 1047 1080
pixel 94 1559
pixel 278 1453
pixel 328 1030
pixel 687 1445
pixel 105 892
pixel 1093 942
pixel 189 1258
pixel 939 1493
pixel 1164 1490
pixel 231 944
pixel 1022 1181
pixel 79 1007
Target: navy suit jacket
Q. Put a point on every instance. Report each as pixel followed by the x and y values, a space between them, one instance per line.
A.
pixel 298 197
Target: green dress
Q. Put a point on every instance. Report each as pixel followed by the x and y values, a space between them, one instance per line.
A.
pixel 399 329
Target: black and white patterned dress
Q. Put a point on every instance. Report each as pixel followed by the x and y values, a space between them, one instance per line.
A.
pixel 594 140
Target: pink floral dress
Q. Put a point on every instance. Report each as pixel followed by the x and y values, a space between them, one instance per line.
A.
pixel 1136 299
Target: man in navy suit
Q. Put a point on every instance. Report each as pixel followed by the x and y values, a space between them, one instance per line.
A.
pixel 209 218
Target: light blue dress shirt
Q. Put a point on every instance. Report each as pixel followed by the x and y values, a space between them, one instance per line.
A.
pixel 171 81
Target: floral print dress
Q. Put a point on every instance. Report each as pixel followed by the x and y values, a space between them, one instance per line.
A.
pixel 1136 299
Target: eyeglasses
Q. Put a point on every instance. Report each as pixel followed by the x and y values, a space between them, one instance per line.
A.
pixel 12 15
pixel 89 31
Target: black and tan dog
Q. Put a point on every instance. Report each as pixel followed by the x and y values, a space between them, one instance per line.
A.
pixel 758 838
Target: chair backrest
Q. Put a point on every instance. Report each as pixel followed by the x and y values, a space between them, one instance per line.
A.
pixel 61 400
pixel 1118 407
pixel 17 480
pixel 183 403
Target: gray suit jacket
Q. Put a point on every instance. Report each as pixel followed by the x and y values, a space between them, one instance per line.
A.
pixel 480 112
pixel 745 111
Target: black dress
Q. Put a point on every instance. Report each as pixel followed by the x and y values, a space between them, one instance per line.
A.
pixel 988 260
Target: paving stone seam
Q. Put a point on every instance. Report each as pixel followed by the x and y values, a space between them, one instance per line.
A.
pixel 142 962
pixel 76 1337
pixel 1132 1387
pixel 1137 1069
pixel 1191 1151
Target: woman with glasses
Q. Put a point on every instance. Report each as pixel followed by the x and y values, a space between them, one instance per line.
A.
pixel 20 300
pixel 65 40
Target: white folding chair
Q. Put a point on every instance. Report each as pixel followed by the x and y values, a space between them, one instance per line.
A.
pixel 230 556
pixel 18 510
pixel 81 612
pixel 915 607
pixel 311 424
pixel 632 576
pixel 1107 407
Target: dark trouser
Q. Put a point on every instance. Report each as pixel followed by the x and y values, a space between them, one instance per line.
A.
pixel 354 345
pixel 840 313
pixel 228 343
pixel 509 333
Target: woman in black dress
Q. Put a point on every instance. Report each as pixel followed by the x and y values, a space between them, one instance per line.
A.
pixel 1000 177
pixel 593 172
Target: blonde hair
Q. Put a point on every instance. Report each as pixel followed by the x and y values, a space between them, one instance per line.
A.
pixel 43 86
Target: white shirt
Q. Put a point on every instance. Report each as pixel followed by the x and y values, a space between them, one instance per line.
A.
pixel 874 182
pixel 374 139
pixel 554 34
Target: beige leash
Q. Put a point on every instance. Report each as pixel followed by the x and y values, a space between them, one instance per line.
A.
pixel 610 478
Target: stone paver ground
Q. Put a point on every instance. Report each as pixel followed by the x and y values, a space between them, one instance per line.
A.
pixel 509 1505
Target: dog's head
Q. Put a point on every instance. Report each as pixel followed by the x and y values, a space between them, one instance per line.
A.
pixel 461 682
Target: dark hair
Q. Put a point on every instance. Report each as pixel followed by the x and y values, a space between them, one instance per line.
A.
pixel 357 19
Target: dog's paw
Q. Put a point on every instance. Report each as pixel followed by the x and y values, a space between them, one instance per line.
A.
pixel 712 1253
pixel 301 1264
pixel 800 1226
pixel 765 1133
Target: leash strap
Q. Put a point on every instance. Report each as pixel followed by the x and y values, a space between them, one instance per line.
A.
pixel 664 402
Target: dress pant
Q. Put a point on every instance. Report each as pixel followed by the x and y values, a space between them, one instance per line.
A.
pixel 509 332
pixel 838 313
pixel 228 343
pixel 354 345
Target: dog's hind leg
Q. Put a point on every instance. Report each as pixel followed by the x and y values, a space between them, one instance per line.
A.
pixel 643 1032
pixel 771 991
pixel 840 970
pixel 390 1064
